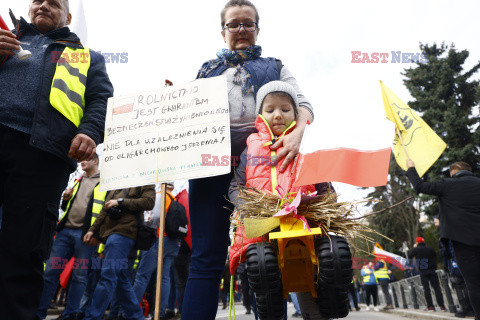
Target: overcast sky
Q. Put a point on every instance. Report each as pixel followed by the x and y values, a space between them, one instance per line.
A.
pixel 314 39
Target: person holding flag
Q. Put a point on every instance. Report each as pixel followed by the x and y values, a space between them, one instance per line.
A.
pixel 383 277
pixel 459 203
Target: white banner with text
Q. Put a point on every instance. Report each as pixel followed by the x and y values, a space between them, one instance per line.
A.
pixel 163 135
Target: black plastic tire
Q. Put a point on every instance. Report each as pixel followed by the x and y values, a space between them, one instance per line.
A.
pixel 335 262
pixel 265 280
pixel 333 302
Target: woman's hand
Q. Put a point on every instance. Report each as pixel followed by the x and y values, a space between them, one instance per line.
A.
pixel 291 142
pixel 291 145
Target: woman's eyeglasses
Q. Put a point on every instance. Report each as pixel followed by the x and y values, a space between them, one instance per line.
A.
pixel 235 27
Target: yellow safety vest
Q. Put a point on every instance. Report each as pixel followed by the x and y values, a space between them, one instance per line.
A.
pixel 382 273
pixel 98 200
pixel 366 278
pixel 67 93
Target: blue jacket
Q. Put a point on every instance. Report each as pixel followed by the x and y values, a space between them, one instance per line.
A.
pixel 372 280
pixel 262 71
pixel 51 131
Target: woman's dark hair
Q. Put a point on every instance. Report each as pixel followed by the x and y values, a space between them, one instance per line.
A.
pixel 238 3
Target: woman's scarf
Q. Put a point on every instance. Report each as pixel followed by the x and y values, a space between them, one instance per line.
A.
pixel 235 59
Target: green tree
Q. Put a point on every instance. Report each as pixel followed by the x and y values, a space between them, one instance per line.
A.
pixel 446 96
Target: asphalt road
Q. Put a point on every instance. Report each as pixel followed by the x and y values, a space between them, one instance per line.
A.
pixel 240 314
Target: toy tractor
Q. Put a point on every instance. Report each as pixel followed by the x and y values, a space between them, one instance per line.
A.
pixel 298 260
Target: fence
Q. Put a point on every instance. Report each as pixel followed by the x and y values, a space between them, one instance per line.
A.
pixel 408 293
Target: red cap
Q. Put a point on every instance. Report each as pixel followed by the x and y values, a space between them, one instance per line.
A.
pixel 420 240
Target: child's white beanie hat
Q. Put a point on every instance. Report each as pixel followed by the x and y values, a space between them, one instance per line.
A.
pixel 273 86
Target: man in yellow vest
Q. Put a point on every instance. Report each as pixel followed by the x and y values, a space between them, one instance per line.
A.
pixel 52 115
pixel 82 204
pixel 383 278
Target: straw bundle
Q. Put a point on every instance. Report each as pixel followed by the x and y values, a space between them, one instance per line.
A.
pixel 322 211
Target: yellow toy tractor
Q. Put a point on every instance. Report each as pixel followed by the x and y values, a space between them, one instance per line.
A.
pixel 299 260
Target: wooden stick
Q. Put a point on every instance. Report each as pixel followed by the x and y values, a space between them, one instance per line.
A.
pixel 401 141
pixel 161 231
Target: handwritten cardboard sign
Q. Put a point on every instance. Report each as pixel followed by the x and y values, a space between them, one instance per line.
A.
pixel 161 135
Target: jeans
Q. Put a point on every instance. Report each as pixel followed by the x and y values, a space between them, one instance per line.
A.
pixel 148 264
pixel 92 280
pixel 433 279
pixel 172 296
pixel 31 183
pixel 68 243
pixel 468 259
pixel 115 307
pixel 293 295
pixel 210 222
pixel 247 294
pixel 115 273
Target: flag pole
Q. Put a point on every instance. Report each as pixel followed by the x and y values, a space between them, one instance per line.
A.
pixel 401 141
pixel 161 231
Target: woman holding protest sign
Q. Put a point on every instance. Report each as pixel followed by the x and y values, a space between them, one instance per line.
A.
pixel 246 72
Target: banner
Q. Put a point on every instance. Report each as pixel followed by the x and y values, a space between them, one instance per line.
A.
pixel 166 135
pixel 423 145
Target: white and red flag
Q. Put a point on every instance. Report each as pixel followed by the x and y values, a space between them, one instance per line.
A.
pixel 347 150
pixel 389 257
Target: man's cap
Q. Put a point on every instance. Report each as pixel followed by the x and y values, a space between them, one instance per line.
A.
pixel 275 86
pixel 420 240
pixel 170 184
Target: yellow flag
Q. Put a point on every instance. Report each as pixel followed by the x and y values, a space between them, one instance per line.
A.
pixel 423 145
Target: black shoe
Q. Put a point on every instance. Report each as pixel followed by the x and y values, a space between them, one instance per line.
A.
pixel 169 314
pixel 248 311
pixel 296 315
pixel 357 308
pixel 80 316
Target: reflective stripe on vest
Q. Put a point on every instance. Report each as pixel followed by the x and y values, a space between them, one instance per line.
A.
pixel 74 192
pixel 98 201
pixel 382 273
pixel 366 278
pixel 67 94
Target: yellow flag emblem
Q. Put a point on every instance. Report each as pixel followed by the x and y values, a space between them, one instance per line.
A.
pixel 422 144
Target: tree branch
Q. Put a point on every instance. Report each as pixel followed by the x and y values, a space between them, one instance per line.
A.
pixel 384 209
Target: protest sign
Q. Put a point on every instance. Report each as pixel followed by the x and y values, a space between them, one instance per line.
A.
pixel 163 135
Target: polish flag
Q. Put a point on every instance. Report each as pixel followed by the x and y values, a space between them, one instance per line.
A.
pixel 355 152
pixel 391 258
